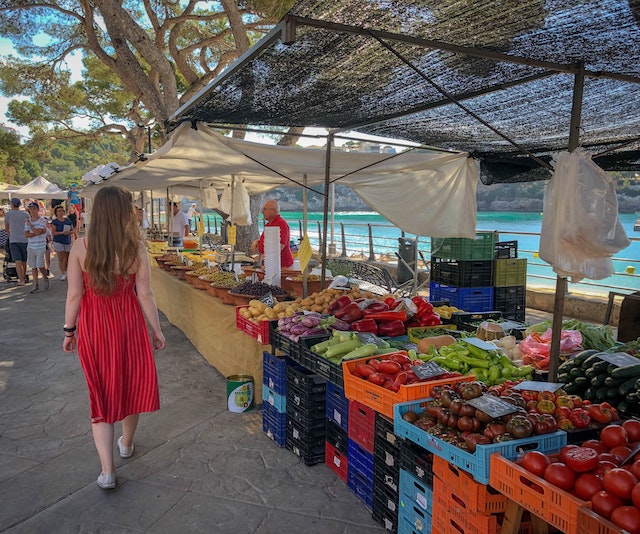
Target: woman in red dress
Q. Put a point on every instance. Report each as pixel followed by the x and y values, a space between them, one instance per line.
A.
pixel 108 297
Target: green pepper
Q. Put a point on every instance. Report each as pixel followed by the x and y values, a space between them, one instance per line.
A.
pixel 412 355
pixel 477 352
pixel 520 372
pixel 449 363
pixel 494 373
pixel 474 362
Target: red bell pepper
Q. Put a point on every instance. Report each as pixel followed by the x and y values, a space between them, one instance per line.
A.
pixel 376 307
pixel 424 306
pixel 351 312
pixel 389 316
pixel 392 302
pixel 392 328
pixel 338 304
pixel 365 325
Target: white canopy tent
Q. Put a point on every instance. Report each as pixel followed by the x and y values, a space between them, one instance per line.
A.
pixel 6 190
pixel 427 194
pixel 40 188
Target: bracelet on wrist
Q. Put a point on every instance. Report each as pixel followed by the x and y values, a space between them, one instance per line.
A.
pixel 69 328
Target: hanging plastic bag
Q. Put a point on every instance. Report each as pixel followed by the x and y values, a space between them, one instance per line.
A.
pixel 241 209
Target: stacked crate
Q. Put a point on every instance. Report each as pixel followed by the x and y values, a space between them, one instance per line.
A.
pixel 337 442
pixel 386 473
pixel 462 271
pixel 509 280
pixel 361 433
pixel 306 426
pixel 274 402
pixel 416 488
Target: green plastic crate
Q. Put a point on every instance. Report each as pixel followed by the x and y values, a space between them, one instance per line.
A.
pixel 510 272
pixel 460 248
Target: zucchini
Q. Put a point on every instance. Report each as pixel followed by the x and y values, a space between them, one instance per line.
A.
pixel 594 371
pixel 628 386
pixel 633 399
pixel 591 360
pixel 601 394
pixel 572 389
pixel 628 371
pixel 565 367
pixel 622 406
pixel 581 381
pixel 598 380
pixel 612 393
pixel 613 382
pixel 579 358
pixel 563 378
pixel 575 372
pixel 601 366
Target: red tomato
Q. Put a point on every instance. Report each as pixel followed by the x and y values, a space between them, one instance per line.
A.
pixel 546 395
pixel 535 462
pixel 581 459
pixel 632 426
pixel 608 457
pixel 614 436
pixel 564 451
pixel 635 469
pixel 627 518
pixel 596 445
pixel 604 503
pixel 560 475
pixel 635 495
pixel 604 467
pixel 586 485
pixel 621 452
pixel 620 482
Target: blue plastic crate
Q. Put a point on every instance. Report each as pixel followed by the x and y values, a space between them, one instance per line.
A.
pixel 279 402
pixel 337 409
pixel 360 459
pixel 416 522
pixel 477 464
pixel 361 486
pixel 274 372
pixel 471 299
pixel 415 491
pixel 274 424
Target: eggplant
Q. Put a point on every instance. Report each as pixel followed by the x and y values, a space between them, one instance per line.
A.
pixel 311 320
pixel 340 325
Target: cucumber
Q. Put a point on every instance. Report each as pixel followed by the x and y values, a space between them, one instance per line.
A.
pixel 601 394
pixel 628 371
pixel 598 380
pixel 594 371
pixel 590 393
pixel 581 381
pixel 601 366
pixel 572 389
pixel 591 360
pixel 633 399
pixel 613 382
pixel 575 372
pixel 563 378
pixel 623 406
pixel 579 358
pixel 612 393
pixel 565 367
pixel 629 385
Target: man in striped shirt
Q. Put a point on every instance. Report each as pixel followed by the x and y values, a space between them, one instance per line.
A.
pixel 35 230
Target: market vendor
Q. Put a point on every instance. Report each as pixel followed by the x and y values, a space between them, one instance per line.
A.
pixel 271 213
pixel 179 225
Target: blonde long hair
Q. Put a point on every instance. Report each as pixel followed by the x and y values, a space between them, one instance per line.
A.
pixel 113 239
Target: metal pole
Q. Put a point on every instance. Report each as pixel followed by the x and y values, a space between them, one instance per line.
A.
pixel 304 224
pixel 325 215
pixel 344 242
pixel 372 256
pixel 332 245
pixel 561 282
pixel 152 215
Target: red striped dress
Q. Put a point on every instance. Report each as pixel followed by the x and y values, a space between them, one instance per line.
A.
pixel 115 353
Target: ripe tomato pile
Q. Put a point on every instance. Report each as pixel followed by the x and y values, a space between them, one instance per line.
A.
pixel 594 471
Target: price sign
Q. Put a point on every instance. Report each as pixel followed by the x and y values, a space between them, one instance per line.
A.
pixel 231 234
pixel 476 342
pixel 207 263
pixel 304 252
pixel 531 385
pixel 368 337
pixel 620 359
pixel 269 300
pixel 492 405
pixel 428 370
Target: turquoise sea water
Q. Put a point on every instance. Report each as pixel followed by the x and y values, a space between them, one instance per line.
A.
pixel 385 235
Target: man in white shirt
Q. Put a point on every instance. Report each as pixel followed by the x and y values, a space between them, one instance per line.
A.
pixel 179 226
pixel 192 213
pixel 35 230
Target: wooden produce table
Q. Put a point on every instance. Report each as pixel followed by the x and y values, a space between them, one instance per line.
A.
pixel 210 326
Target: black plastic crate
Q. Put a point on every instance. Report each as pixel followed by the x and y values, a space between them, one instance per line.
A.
pixel 417 461
pixel 305 418
pixel 385 508
pixel 386 465
pixel 312 404
pixel 280 341
pixel 337 406
pixel 337 437
pixel 471 273
pixel 311 435
pixel 506 250
pixel 316 363
pixel 462 318
pixel 305 380
pixel 384 431
pixel 511 301
pixel 310 456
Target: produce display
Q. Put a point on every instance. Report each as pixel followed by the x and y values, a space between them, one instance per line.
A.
pixel 302 324
pixel 605 472
pixel 221 279
pixel 594 337
pixel 348 345
pixel 595 379
pixel 259 289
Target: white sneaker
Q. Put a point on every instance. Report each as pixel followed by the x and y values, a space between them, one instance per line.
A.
pixel 107 481
pixel 125 452
pixel 63 277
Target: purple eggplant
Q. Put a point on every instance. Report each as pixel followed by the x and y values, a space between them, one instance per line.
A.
pixel 311 320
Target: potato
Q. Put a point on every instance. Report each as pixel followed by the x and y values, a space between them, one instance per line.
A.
pixel 246 313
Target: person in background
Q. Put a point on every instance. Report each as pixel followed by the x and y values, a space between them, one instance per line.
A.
pixel 192 213
pixel 179 225
pixel 48 248
pixel 73 217
pixel 35 230
pixel 271 213
pixel 73 197
pixel 61 229
pixel 14 223
pixel 108 297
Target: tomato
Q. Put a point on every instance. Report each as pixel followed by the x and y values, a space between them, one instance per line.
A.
pixel 620 482
pixel 389 367
pixel 376 379
pixel 364 370
pixel 546 406
pixel 600 413
pixel 580 417
pixel 596 445
pixel 560 475
pixel 562 412
pixel 621 452
pixel 608 457
pixel 577 400
pixel 604 503
pixel 519 427
pixel 546 395
pixel 632 427
pixel 635 495
pixel 581 459
pixel 614 436
pixel 586 485
pixel 635 469
pixel 627 518
pixel 564 450
pixel 529 395
pixel 603 467
pixel 535 462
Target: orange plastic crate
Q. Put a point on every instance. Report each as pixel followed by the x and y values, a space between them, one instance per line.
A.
pixel 260 331
pixel 381 399
pixel 591 523
pixel 479 497
pixel 451 515
pixel 553 505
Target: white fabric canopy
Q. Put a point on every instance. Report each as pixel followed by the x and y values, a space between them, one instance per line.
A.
pixel 6 190
pixel 427 194
pixel 39 188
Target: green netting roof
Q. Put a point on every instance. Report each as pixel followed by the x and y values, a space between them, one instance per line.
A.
pixel 511 62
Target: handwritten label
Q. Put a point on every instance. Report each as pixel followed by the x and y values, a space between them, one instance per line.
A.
pixel 492 405
pixel 368 337
pixel 530 385
pixel 269 300
pixel 428 370
pixel 621 359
